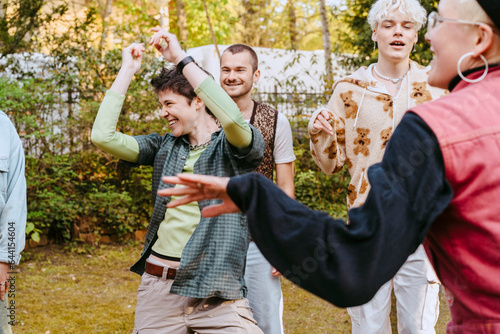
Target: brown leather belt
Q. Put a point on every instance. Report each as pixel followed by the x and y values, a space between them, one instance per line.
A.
pixel 156 270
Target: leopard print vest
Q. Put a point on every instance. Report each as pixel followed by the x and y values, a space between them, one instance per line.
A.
pixel 265 118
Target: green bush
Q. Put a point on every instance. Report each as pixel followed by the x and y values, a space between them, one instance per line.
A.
pixel 69 189
pixel 312 186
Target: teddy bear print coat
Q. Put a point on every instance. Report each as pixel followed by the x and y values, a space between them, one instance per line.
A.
pixel 364 117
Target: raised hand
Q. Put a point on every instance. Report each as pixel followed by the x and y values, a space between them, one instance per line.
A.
pixel 321 122
pixel 172 51
pixel 199 188
pixel 131 64
pixel 132 56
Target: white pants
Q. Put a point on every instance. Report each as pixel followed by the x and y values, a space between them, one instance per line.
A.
pixel 417 293
pixel 264 292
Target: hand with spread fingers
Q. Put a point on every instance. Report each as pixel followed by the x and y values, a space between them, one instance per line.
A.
pixel 199 188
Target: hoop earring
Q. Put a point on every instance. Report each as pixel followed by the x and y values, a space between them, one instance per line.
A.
pixel 374 45
pixel 413 49
pixel 472 80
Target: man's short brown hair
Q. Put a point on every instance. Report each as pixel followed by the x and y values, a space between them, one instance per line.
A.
pixel 239 48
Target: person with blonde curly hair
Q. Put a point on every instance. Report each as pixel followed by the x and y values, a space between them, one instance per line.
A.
pixel 354 130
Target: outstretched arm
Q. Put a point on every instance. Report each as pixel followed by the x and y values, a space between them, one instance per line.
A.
pixel 199 188
pixel 344 264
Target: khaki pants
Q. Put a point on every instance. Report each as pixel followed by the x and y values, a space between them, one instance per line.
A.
pixel 158 311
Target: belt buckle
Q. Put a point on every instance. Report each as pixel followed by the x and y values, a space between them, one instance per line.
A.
pixel 169 273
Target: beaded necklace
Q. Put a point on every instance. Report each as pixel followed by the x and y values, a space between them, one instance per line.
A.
pixel 387 78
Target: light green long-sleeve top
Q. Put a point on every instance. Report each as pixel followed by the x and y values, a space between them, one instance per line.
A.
pixel 125 147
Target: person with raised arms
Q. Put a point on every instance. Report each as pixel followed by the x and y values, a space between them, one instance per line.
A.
pixel 192 267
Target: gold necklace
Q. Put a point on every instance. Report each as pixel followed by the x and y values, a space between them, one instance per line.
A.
pixel 200 146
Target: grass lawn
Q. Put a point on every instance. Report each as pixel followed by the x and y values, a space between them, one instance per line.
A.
pixel 60 291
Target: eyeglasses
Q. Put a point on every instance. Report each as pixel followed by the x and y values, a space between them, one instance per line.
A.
pixel 434 18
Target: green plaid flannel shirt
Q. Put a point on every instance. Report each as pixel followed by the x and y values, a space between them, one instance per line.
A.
pixel 213 260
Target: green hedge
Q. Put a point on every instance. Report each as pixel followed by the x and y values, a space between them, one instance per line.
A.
pixel 70 189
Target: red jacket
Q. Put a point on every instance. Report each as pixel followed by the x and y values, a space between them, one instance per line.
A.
pixel 464 242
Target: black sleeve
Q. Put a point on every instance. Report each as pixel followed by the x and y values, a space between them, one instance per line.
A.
pixel 347 264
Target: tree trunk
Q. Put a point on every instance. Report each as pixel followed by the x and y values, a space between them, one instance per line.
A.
pixel 3 9
pixel 165 15
pixel 182 23
pixel 326 43
pixel 21 23
pixel 214 40
pixel 292 24
pixel 106 13
pixel 251 18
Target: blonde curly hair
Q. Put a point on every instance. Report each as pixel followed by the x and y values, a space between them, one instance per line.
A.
pixel 381 9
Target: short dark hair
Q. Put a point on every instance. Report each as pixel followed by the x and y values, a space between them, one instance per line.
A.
pixel 239 48
pixel 173 80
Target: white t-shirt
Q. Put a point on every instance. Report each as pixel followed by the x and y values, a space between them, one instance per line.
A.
pixel 283 141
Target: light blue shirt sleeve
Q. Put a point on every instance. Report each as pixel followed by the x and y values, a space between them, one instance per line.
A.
pixel 13 204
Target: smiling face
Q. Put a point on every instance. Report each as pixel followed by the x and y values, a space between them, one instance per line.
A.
pixel 449 41
pixel 237 75
pixel 181 114
pixel 395 37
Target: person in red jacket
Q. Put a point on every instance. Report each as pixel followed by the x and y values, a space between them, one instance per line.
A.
pixel 438 182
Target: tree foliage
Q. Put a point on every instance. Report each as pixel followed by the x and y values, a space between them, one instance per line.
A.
pixel 20 18
pixel 53 108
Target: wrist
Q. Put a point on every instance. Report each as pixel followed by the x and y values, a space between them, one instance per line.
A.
pixel 186 60
pixel 179 58
pixel 127 71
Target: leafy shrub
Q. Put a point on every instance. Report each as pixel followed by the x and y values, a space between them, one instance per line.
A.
pixel 312 186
